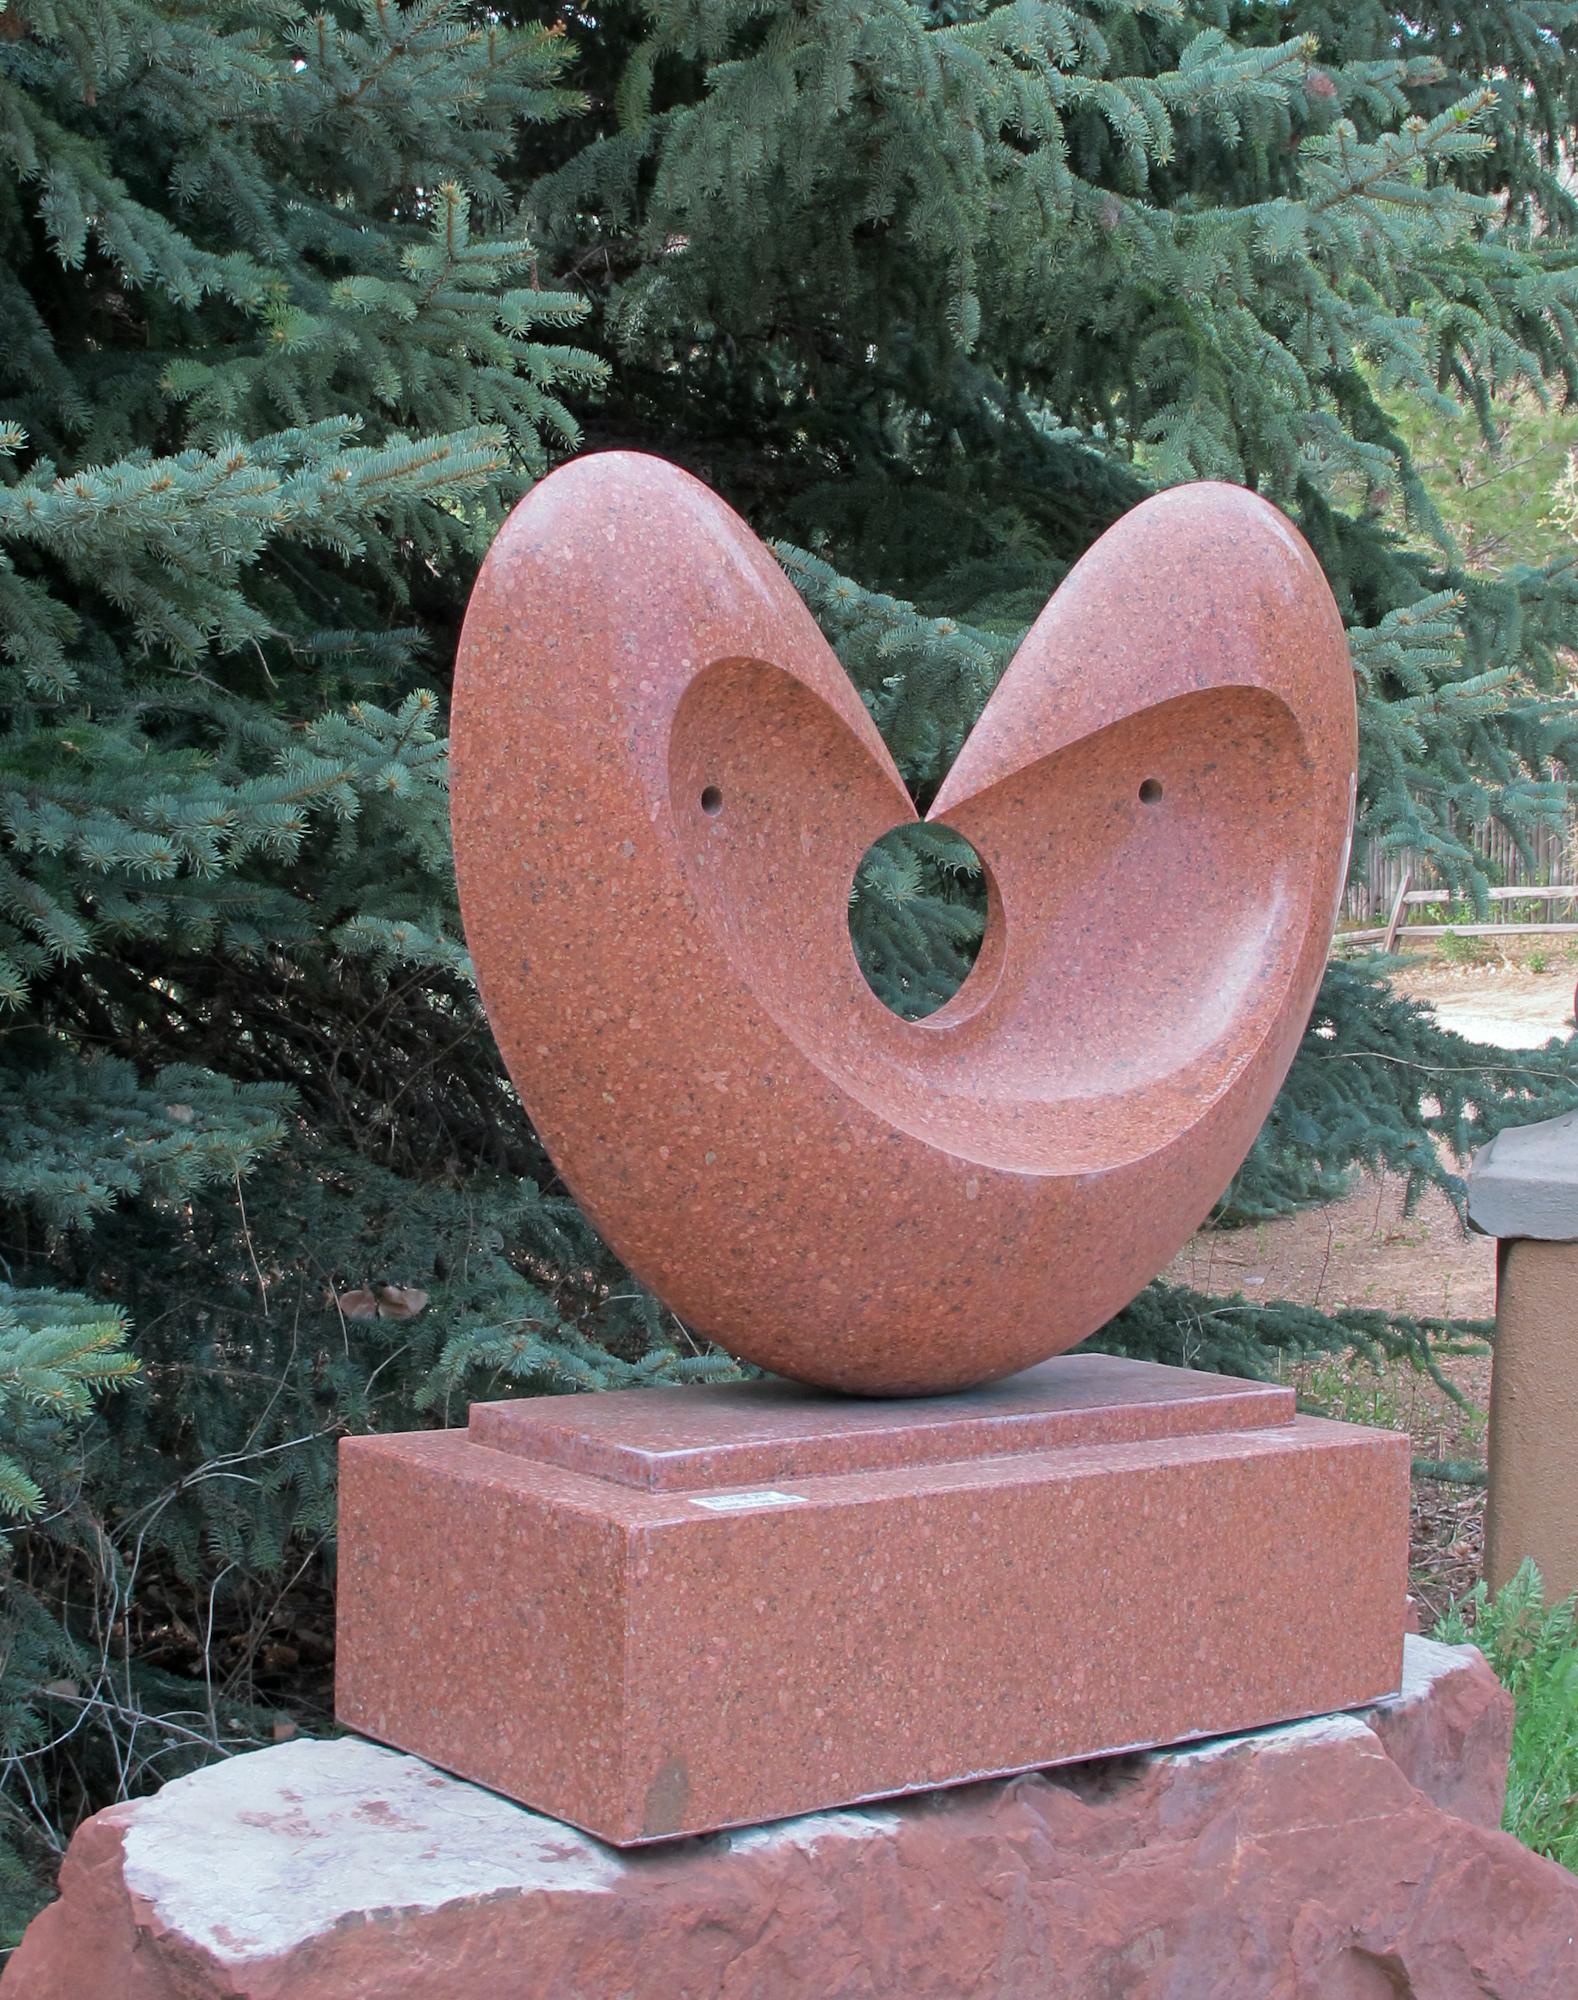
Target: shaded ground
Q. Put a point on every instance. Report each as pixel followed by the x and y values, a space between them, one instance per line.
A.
pixel 1365 1251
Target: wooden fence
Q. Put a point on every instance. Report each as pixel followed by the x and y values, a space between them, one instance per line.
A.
pixel 1379 878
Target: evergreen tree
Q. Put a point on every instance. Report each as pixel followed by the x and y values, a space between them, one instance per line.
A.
pixel 274 356
pixel 291 307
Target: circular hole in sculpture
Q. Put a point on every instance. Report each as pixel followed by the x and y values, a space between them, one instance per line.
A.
pixel 1150 791
pixel 711 801
pixel 917 914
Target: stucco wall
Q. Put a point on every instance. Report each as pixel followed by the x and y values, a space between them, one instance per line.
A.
pixel 1533 1508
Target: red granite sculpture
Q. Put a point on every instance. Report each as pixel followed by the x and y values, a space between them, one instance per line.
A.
pixel 668 1611
pixel 664 782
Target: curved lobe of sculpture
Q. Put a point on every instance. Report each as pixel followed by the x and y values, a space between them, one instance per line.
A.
pixel 663 785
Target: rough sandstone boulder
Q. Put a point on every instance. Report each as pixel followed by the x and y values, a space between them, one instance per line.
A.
pixel 1353 1857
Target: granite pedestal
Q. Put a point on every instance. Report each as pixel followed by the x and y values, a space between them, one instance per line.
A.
pixel 667 1611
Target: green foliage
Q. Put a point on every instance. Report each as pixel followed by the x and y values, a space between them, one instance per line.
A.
pixel 55 1350
pixel 1184 1328
pixel 1494 496
pixel 275 353
pixel 917 913
pixel 935 291
pixel 1534 1650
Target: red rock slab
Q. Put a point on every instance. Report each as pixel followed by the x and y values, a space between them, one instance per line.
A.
pixel 1445 1734
pixel 644 1661
pixel 663 785
pixel 1313 1862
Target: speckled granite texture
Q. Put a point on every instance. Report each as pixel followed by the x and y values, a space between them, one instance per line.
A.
pixel 663 784
pixel 1352 1857
pixel 654 1613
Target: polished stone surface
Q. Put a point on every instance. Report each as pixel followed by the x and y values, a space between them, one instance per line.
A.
pixel 663 784
pixel 652 1614
pixel 672 1440
pixel 1352 1857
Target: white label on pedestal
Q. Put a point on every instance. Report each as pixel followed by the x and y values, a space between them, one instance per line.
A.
pixel 732 1503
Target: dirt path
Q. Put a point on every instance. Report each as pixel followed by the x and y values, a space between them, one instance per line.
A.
pixel 1364 1251
pixel 1505 1003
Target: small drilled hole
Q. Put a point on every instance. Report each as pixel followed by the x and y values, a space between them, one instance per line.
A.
pixel 1150 791
pixel 712 801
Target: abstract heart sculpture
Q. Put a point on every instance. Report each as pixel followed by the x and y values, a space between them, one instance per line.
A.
pixel 678 1609
pixel 663 785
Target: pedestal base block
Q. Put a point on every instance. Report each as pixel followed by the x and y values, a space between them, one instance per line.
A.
pixel 1312 1862
pixel 665 1612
